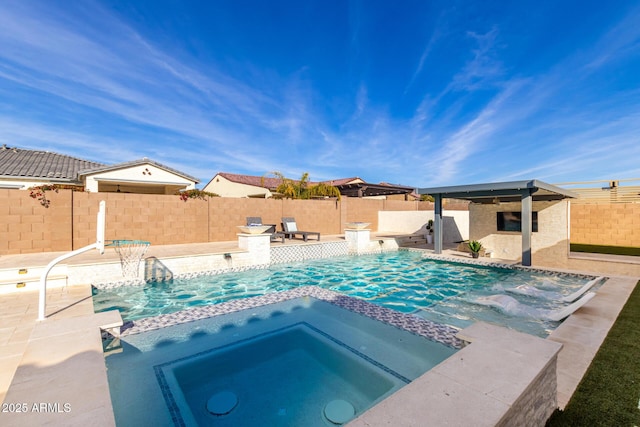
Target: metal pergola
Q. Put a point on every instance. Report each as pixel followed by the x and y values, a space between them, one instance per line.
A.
pixel 365 189
pixel 525 192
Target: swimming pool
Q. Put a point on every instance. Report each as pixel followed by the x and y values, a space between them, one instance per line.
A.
pixel 404 281
pixel 286 363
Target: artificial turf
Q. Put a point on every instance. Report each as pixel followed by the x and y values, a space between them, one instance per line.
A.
pixel 603 249
pixel 609 393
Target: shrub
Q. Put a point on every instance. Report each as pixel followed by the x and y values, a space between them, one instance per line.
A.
pixel 475 246
pixel 195 194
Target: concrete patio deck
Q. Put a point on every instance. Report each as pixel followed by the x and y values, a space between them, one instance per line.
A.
pixel 26 344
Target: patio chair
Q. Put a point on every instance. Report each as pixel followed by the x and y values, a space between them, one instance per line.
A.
pixel 275 235
pixel 290 229
pixel 511 306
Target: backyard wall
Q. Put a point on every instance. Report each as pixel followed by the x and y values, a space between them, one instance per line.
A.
pixel 550 242
pixel 605 224
pixel 70 220
pixel 69 223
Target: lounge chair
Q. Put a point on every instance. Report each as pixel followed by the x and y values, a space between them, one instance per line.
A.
pixel 290 229
pixel 275 235
pixel 532 291
pixel 510 305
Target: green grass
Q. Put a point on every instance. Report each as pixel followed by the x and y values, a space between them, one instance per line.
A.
pixel 602 249
pixel 609 393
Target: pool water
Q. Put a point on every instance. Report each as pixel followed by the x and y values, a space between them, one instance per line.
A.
pixel 266 377
pixel 402 280
pixel 281 364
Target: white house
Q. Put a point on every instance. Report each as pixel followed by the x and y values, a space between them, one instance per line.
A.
pixel 22 169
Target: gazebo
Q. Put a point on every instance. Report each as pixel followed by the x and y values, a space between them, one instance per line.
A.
pixel 525 192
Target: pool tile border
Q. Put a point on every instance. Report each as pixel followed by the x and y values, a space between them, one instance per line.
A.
pixel 434 331
pixel 482 263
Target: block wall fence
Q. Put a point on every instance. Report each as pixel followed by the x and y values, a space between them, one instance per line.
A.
pixel 69 222
pixel 616 224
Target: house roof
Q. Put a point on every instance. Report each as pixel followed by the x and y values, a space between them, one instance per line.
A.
pixel 342 181
pixel 21 163
pixel 351 187
pixel 38 164
pixel 256 181
pixel 143 161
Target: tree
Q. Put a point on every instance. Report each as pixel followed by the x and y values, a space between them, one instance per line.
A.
pixel 300 189
pixel 324 190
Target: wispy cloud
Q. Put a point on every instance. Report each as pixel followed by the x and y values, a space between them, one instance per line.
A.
pixel 483 68
pixel 86 80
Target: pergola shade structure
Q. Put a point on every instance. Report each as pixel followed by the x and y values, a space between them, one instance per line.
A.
pixel 365 189
pixel 525 192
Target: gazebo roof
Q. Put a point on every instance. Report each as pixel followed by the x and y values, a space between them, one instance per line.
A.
pixel 496 192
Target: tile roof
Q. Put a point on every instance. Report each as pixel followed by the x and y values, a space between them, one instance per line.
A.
pixel 256 181
pixel 18 162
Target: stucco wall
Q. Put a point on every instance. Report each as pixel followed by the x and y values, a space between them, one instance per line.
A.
pixel 456 223
pixel 550 241
pixel 225 188
pixel 136 176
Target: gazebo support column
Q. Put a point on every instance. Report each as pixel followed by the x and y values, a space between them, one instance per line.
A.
pixel 527 226
pixel 437 224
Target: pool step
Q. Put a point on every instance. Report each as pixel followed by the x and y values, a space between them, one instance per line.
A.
pixel 28 279
pixel 413 240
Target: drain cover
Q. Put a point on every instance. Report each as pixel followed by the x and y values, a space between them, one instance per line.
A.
pixel 339 411
pixel 222 403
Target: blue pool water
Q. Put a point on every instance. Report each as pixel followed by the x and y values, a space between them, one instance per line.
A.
pixel 403 281
pixel 283 364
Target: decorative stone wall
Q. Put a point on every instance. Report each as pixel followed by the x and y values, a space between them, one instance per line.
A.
pixel 537 403
pixel 551 241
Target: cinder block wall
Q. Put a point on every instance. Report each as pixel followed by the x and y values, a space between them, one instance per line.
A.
pixel 615 224
pixel 365 210
pixel 70 221
pixel 157 218
pixel 26 226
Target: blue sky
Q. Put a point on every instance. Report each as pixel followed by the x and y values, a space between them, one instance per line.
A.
pixel 420 93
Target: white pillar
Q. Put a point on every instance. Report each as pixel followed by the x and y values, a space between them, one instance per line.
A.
pixel 358 240
pixel 258 245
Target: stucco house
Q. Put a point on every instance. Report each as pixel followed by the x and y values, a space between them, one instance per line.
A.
pixel 23 168
pixel 235 185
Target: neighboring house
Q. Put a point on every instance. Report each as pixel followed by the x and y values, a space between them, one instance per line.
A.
pixel 235 185
pixel 21 169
